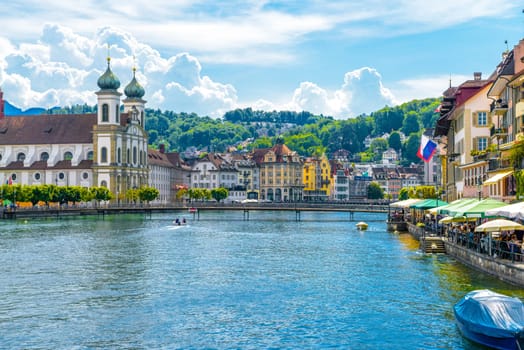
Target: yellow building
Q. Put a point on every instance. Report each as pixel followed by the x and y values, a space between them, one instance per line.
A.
pixel 280 173
pixel 316 179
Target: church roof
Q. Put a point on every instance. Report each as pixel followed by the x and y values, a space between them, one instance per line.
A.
pixel 108 80
pixel 47 129
pixel 134 89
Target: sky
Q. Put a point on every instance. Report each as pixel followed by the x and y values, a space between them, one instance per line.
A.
pixel 339 58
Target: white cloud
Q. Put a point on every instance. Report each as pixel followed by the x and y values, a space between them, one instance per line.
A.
pixel 424 87
pixel 34 75
pixel 361 92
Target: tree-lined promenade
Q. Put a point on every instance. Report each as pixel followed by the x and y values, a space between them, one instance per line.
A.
pixel 47 196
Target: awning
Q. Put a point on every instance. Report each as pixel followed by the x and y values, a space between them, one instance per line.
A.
pixel 497 177
pixel 428 204
pixel 405 203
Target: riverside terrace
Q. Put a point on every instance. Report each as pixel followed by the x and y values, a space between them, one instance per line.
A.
pixel 490 254
pixel 196 209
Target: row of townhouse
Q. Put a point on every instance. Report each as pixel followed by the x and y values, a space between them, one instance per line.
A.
pixel 480 131
pixel 276 174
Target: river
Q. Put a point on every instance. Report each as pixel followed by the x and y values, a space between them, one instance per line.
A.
pixel 220 282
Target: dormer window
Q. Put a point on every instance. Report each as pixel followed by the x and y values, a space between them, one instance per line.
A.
pixel 20 157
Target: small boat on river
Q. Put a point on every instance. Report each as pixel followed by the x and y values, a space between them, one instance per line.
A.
pixel 491 319
pixel 362 226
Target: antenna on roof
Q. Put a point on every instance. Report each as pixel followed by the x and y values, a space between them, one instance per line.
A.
pixel 449 79
pixel 507 47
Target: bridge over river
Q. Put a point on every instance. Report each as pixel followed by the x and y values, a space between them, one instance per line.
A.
pixel 196 209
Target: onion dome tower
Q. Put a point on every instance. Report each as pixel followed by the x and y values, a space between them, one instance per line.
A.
pixel 108 97
pixel 134 105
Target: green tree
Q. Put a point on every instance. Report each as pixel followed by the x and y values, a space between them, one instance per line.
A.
pixel 132 195
pixel 101 194
pixel 148 194
pixel 411 124
pixel 403 194
pixel 219 193
pixel 375 191
pixel 377 147
pixel 410 149
pixel 394 141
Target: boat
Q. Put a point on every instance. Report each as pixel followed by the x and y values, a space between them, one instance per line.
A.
pixel 491 319
pixel 362 226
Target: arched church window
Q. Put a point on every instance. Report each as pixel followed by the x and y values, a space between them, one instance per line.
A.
pixel 105 112
pixel 103 155
pixel 134 155
pixel 68 156
pixel 117 113
pixel 90 155
pixel 44 156
pixel 103 183
pixel 119 155
pixel 20 157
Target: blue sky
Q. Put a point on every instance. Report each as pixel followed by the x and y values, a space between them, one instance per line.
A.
pixel 339 58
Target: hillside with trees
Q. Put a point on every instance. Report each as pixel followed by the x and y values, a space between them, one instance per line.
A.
pixel 304 132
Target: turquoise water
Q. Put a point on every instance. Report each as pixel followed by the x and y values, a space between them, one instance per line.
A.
pixel 138 282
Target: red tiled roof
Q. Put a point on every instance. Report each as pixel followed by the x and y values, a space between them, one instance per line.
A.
pixel 156 157
pixel 47 129
pixel 42 165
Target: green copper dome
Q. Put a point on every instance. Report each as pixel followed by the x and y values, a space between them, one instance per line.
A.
pixel 108 80
pixel 134 89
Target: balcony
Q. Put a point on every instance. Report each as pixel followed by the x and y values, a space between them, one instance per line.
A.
pixel 499 107
pixel 499 132
pixel 498 164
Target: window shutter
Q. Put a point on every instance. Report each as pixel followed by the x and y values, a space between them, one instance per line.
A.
pixel 475 119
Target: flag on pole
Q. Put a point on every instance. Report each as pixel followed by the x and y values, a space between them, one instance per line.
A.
pixel 427 148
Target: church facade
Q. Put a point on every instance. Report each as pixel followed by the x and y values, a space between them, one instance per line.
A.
pixel 108 149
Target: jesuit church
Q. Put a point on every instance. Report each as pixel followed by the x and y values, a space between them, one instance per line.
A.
pixel 106 149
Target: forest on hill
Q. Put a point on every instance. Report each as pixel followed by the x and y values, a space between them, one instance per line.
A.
pixel 304 132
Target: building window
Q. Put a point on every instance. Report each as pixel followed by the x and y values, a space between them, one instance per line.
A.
pixel 44 156
pixel 103 183
pixel 37 176
pixel 119 155
pixel 61 176
pixel 105 112
pixel 20 157
pixel 90 155
pixel 482 119
pixel 117 113
pixel 134 155
pixel 68 156
pixel 103 155
pixel 85 175
pixel 482 143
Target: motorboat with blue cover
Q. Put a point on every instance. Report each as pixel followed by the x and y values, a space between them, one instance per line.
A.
pixel 491 319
